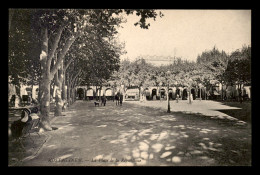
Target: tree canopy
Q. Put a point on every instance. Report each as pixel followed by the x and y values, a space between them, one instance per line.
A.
pixel 211 67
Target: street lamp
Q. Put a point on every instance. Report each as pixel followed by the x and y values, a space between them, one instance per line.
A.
pixel 168 101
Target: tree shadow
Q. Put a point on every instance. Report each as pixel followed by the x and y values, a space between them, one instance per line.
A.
pixel 198 140
pixel 27 147
pixel 152 137
pixel 134 136
pixel 239 114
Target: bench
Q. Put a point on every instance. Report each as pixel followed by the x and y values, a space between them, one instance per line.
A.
pixel 31 126
pixel 22 128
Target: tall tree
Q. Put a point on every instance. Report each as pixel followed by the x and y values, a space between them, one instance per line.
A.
pixel 238 70
pixel 56 30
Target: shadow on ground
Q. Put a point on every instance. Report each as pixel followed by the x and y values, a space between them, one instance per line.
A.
pixel 150 136
pixel 26 149
pixel 184 140
pixel 134 135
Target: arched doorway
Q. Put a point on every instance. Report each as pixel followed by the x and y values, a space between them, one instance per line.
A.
pixel 193 92
pixel 163 93
pixel 90 94
pixel 201 93
pixel 80 93
pixel 178 92
pixel 109 94
pixel 147 93
pixel 184 94
pixel 154 92
pixel 171 94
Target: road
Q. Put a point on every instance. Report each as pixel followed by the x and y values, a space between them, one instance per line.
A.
pixel 139 135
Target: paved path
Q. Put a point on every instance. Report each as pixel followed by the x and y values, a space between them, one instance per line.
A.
pixel 132 134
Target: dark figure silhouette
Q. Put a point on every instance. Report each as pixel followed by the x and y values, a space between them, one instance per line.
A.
pixel 121 99
pixel 17 127
pixel 21 127
pixel 104 100
pixel 117 96
pixel 240 96
pixel 29 120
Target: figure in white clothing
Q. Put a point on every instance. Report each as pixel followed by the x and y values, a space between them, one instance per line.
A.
pixel 16 102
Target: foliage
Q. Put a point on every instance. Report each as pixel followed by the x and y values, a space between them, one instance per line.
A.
pixel 210 68
pixel 26 26
pixel 23 62
pixel 137 73
pixel 239 67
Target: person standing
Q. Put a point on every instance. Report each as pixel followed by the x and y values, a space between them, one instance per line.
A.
pixel 117 98
pixel 191 97
pixel 121 99
pixel 240 96
pixel 104 100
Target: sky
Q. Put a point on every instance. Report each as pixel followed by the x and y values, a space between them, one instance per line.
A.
pixel 187 33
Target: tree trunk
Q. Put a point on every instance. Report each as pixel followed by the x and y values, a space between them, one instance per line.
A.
pixel 96 93
pixel 58 100
pixel 69 94
pixel 65 96
pixel 45 104
pixel 45 85
pixel 100 88
pixel 168 99
pixel 240 93
pixel 68 89
pixel 47 73
pixel 139 88
pixel 200 93
pixel 124 92
pixel 160 94
pixel 189 96
pixel 73 90
pixel 64 93
pixel 73 93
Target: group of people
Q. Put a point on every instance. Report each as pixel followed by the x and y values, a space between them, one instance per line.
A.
pixel 119 99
